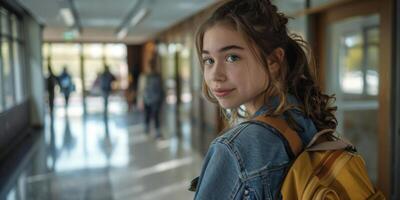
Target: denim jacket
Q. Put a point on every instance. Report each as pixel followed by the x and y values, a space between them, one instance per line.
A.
pixel 250 160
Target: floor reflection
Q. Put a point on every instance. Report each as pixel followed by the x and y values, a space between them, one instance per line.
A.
pixel 97 157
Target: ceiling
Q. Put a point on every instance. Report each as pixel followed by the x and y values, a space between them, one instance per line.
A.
pixel 100 19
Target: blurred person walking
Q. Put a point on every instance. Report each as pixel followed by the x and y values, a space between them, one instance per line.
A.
pixel 151 96
pixel 132 91
pixel 106 80
pixel 51 82
pixel 66 85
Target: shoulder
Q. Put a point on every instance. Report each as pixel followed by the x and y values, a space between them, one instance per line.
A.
pixel 256 145
pixel 222 147
pixel 221 158
pixel 249 132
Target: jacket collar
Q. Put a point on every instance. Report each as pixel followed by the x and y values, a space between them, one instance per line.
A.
pixel 273 102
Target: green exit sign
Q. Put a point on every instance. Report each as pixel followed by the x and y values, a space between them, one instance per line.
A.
pixel 70 35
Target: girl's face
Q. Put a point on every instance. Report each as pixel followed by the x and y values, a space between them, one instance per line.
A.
pixel 231 71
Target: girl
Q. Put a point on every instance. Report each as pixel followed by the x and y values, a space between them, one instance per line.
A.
pixel 252 66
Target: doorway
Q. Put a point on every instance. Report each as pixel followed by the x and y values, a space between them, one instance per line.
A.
pixel 354 51
pixel 85 62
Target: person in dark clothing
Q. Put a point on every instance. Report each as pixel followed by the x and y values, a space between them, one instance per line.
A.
pixel 106 79
pixel 51 82
pixel 135 75
pixel 66 85
pixel 132 91
pixel 151 96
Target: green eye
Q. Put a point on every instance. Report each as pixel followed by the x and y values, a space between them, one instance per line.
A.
pixel 208 61
pixel 232 58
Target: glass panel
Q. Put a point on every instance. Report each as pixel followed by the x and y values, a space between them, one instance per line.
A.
pixel 115 55
pixel 45 70
pixel 46 53
pixel 352 74
pixel 315 3
pixel 4 21
pixel 7 73
pixel 93 51
pixel 115 51
pixel 169 71
pixel 196 71
pixel 14 26
pixel 1 97
pixel 45 50
pixel 290 6
pixel 22 69
pixel 1 90
pixel 298 26
pixel 65 51
pixel 120 69
pixel 18 73
pixel 372 61
pixel 184 72
pixel 93 69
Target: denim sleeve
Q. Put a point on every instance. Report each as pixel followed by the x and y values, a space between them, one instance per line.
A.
pixel 219 178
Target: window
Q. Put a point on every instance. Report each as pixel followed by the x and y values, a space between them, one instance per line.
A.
pixel 353 75
pixel 298 26
pixel 5 30
pixel 316 3
pixel 8 78
pixel 290 6
pixel 359 73
pixel 17 73
pixel 11 60
pixel 85 62
pixel 115 55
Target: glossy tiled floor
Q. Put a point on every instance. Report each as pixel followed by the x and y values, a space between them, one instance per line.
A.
pixel 92 158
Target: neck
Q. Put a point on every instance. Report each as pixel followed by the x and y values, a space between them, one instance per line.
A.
pixel 253 106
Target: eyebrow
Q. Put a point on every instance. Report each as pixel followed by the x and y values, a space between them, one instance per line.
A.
pixel 225 49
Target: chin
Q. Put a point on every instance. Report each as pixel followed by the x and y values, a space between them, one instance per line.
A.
pixel 227 105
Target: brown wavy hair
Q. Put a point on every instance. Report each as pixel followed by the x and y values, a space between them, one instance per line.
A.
pixel 265 29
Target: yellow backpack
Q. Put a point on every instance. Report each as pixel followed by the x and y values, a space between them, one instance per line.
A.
pixel 328 168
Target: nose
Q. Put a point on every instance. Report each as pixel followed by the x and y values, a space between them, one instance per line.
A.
pixel 219 72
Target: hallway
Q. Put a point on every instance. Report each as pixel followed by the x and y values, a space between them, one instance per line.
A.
pixel 90 158
pixel 77 52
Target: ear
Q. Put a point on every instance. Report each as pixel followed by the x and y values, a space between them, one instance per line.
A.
pixel 275 60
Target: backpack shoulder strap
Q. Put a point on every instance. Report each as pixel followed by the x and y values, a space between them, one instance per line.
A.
pixel 290 135
pixel 334 144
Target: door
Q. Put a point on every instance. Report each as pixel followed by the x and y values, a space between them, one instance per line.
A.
pixel 353 45
pixel 352 74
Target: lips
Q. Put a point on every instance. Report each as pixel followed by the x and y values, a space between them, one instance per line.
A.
pixel 222 92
